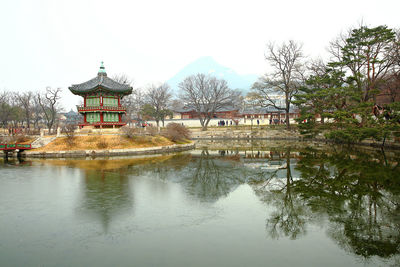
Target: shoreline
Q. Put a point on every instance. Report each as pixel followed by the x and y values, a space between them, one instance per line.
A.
pixel 388 145
pixel 109 152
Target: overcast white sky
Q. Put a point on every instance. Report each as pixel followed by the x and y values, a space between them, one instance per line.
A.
pixel 57 43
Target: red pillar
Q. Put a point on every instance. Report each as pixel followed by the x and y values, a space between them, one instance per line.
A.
pixel 101 117
pixel 84 102
pixel 119 117
pixel 84 117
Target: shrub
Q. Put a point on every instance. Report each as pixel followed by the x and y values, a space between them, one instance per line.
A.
pixel 152 130
pixel 176 132
pixel 131 132
pixel 69 131
pixel 128 131
pixel 21 138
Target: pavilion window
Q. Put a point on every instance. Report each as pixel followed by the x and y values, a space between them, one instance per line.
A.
pixel 93 117
pixel 110 101
pixel 108 117
pixel 111 117
pixel 92 101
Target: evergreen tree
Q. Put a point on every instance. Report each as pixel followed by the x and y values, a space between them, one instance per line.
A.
pixel 345 90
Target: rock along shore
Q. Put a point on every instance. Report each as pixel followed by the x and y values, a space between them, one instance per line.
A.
pixel 272 134
pixel 108 152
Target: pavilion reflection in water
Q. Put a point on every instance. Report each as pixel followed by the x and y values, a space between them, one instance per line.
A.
pixel 106 191
pixel 106 195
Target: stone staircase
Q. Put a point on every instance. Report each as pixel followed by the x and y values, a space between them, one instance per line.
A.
pixel 42 141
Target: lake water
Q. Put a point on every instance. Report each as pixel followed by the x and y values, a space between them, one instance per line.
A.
pixel 254 206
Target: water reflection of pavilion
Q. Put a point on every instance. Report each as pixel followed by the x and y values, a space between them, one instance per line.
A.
pixel 107 185
pixel 105 195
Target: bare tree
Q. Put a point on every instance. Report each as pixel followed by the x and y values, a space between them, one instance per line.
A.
pixel 251 105
pixel 284 80
pixel 69 131
pixel 48 102
pixel 316 67
pixel 392 86
pixel 134 103
pixel 123 78
pixel 176 104
pixel 158 97
pixel 37 113
pixel 17 113
pixel 10 112
pixel 206 95
pixel 3 97
pixel 26 102
pixel 6 109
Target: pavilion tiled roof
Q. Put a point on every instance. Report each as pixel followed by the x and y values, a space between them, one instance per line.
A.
pixel 100 82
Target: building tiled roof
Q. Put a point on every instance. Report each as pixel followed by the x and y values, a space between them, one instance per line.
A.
pixel 100 82
pixel 223 109
pixel 71 113
pixel 270 109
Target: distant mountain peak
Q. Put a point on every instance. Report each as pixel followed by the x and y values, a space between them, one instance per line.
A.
pixel 208 65
pixel 207 59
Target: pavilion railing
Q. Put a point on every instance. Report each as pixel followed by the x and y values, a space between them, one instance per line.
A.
pixel 102 124
pixel 107 108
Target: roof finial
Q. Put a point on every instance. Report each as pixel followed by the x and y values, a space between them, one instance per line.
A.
pixel 102 70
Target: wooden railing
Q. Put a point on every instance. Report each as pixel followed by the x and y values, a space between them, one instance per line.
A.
pixel 102 124
pixel 106 108
pixel 15 146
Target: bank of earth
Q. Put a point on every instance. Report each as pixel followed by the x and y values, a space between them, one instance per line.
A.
pixel 107 145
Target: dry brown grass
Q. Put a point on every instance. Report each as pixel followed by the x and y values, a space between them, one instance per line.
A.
pixel 94 142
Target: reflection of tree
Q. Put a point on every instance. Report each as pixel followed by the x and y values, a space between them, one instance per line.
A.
pixel 162 168
pixel 208 178
pixel 360 195
pixel 105 195
pixel 288 219
pixel 205 177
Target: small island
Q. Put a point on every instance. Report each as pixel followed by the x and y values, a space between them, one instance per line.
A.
pixel 116 143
